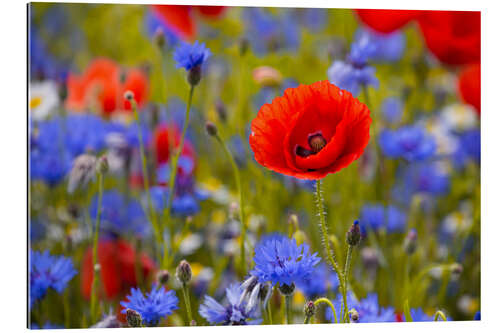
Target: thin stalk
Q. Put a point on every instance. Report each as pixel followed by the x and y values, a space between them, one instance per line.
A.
pixel 330 304
pixel 145 176
pixel 237 180
pixel 326 244
pixel 95 267
pixel 439 314
pixel 187 301
pixel 347 265
pixel 173 175
pixel 288 316
pixel 269 313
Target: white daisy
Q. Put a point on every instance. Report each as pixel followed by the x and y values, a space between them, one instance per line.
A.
pixel 43 99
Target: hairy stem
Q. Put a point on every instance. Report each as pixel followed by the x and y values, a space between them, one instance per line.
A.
pixel 326 244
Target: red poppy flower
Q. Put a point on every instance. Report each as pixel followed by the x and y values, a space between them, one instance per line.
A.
pixel 453 37
pixel 163 134
pixel 117 260
pixel 386 20
pixel 179 18
pixel 310 131
pixel 469 85
pixel 101 87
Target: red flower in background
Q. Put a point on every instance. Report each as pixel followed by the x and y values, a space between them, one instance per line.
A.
pixel 469 86
pixel 117 260
pixel 310 131
pixel 453 37
pixel 180 18
pixel 386 20
pixel 162 145
pixel 101 86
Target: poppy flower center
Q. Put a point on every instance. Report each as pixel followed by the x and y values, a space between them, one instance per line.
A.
pixel 316 143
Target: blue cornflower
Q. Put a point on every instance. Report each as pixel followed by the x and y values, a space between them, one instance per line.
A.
pixel 409 142
pixel 477 316
pixel 120 216
pixel 383 47
pixel 349 77
pixel 271 33
pixel 235 313
pixel 156 305
pixel 191 55
pixel 468 149
pixel 50 166
pixel 47 271
pixel 368 309
pixel 392 109
pixel 374 216
pixel 319 282
pixel 283 261
pixel 419 315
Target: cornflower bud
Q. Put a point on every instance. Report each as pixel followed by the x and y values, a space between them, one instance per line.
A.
pixel 162 277
pixel 309 309
pixel 183 272
pixel 211 128
pixel 221 110
pixel 194 75
pixel 159 38
pixel 134 319
pixel 353 236
pixel 354 315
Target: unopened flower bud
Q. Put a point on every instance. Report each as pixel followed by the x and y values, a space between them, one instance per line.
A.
pixel 102 165
pixel 354 315
pixel 286 289
pixel 267 76
pixel 353 236
pixel 221 110
pixel 211 128
pixel 183 272
pixel 129 95
pixel 370 257
pixel 194 75
pixel 309 309
pixel 162 277
pixel 159 37
pixel 134 319
pixel 410 243
pixel 193 322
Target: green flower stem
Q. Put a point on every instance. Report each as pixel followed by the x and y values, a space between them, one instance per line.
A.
pixel 439 314
pixel 145 176
pixel 347 265
pixel 173 175
pixel 288 316
pixel 269 313
pixel 326 244
pixel 307 319
pixel 327 302
pixel 93 295
pixel 187 301
pixel 237 180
